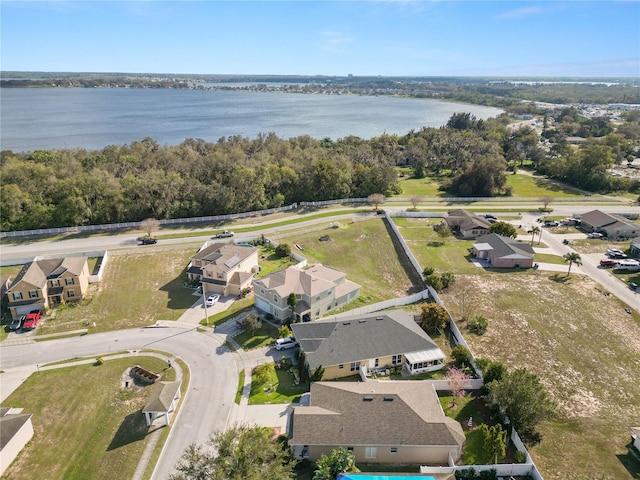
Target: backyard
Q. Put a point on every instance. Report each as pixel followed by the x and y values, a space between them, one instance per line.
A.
pixel 280 388
pixel 86 425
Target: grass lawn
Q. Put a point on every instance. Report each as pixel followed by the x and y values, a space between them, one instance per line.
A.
pixel 586 350
pixel 240 387
pixel 365 252
pixel 528 186
pixel 424 187
pixel 270 262
pixel 136 290
pixel 549 258
pixel 262 337
pixel 236 307
pixel 283 389
pixel 595 245
pixel 86 426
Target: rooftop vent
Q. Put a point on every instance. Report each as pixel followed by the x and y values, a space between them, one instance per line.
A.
pixel 367 399
pixel 346 323
pixel 361 321
pixel 387 399
pixel 379 318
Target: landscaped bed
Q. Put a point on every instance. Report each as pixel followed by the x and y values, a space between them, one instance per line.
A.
pixel 280 388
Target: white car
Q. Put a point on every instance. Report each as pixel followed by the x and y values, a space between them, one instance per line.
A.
pixel 286 342
pixel 595 235
pixel 211 300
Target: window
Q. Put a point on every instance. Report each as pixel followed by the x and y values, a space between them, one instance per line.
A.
pixel 262 290
pixel 220 275
pixel 17 296
pixel 318 298
pixel 370 452
pixel 33 294
pixel 71 294
pixel 341 366
pixel 328 307
pixel 68 281
pixel 275 298
pixel 394 450
pixel 396 360
pixel 376 363
pixel 349 449
pixel 355 366
pixel 55 283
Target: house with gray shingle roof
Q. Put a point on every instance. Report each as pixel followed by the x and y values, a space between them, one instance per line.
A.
pixel 16 430
pixel 162 402
pixel 369 342
pixel 224 268
pixel 613 226
pixel 392 422
pixel 318 290
pixel 466 224
pixel 46 283
pixel 503 252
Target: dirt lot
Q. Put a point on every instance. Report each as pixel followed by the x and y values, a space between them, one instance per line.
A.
pixel 586 350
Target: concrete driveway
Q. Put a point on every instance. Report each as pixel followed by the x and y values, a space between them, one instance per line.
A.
pixel 197 312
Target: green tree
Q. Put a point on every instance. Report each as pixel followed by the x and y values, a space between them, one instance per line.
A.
pixel 433 318
pixel 262 373
pixel 292 301
pixel 283 250
pixel 340 461
pixel 503 228
pixel 523 399
pixel 252 323
pixel 571 258
pixel 535 230
pixel 461 356
pixel 239 453
pixel 448 280
pixel 284 331
pixel 494 441
pixel 478 324
pixel 443 231
pixel 317 374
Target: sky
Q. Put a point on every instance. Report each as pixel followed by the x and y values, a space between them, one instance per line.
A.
pixel 388 38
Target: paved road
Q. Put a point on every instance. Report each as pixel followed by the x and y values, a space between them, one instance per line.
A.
pixel 207 405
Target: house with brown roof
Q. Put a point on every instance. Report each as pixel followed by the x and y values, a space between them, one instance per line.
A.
pixel 42 284
pixel 318 290
pixel 466 224
pixel 503 252
pixel 390 422
pixel 224 268
pixel 16 430
pixel 613 226
pixel 360 344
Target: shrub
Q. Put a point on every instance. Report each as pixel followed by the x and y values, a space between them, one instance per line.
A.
pixel 520 457
pixel 283 250
pixel 461 356
pixel 99 361
pixel 488 475
pixel 466 473
pixel 478 325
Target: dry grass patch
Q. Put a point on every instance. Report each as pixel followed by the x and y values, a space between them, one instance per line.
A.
pixel 586 350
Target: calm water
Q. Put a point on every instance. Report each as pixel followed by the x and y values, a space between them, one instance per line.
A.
pixel 45 118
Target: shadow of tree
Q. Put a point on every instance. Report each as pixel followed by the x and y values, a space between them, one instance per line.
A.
pixel 132 429
pixel 560 278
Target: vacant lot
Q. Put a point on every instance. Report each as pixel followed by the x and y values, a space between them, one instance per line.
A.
pixel 586 350
pixel 86 426
pixel 136 290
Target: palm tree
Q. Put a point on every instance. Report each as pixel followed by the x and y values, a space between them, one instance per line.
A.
pixel 535 230
pixel 571 258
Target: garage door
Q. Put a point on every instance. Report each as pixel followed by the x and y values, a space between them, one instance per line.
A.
pixel 262 305
pixel 23 310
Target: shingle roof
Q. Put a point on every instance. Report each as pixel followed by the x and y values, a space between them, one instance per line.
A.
pixel 336 342
pixel 370 413
pixel 10 424
pixel 466 220
pixel 504 246
pixel 598 219
pixel 313 281
pixel 223 256
pixel 36 273
pixel 162 396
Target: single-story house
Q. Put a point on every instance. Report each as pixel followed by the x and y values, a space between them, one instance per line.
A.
pixel 224 268
pixel 318 290
pixel 16 430
pixel 503 252
pixel 466 224
pixel 635 438
pixel 391 422
pixel 369 342
pixel 162 402
pixel 43 284
pixel 613 226
pixel 635 246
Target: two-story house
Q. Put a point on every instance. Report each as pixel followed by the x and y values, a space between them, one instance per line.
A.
pixel 318 290
pixel 224 268
pixel 46 283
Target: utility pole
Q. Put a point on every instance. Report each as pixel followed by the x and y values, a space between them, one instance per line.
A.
pixel 204 302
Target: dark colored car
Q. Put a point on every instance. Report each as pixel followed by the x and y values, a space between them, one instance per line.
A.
pixel 17 323
pixel 32 320
pixel 148 241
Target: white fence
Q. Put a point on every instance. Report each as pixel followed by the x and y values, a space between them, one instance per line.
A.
pixel 103 263
pixel 376 307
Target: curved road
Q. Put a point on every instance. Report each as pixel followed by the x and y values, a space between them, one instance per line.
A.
pixel 214 376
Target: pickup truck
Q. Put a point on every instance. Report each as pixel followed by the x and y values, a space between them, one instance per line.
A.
pixel 223 234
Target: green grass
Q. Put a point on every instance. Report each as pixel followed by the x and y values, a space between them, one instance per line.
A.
pixel 136 290
pixel 235 308
pixel 240 387
pixel 283 389
pixel 527 186
pixel 270 262
pixel 86 426
pixel 262 337
pixel 425 187
pixel 549 258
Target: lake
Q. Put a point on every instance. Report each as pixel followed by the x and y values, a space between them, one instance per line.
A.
pixel 92 118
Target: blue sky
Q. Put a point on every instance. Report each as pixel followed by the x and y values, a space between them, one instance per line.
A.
pixel 499 38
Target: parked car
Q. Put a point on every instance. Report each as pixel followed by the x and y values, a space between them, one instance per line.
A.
pixel 613 250
pixel 17 323
pixel 32 319
pixel 286 342
pixel 551 223
pixel 633 286
pixel 619 256
pixel 608 263
pixel 211 300
pixel 148 241
pixel 224 234
pixel 565 241
pixel 595 235
pixel 488 216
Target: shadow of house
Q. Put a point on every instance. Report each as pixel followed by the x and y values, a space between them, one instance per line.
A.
pixel 131 430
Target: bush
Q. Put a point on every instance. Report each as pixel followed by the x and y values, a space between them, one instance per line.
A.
pixel 461 356
pixel 478 325
pixel 283 250
pixel 99 361
pixel 466 473
pixel 488 475
pixel 520 457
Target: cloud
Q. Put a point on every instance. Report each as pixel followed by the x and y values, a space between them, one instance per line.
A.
pixel 522 12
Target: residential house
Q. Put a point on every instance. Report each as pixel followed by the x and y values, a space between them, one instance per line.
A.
pixel 635 246
pixel 635 438
pixel 16 430
pixel 466 224
pixel 370 342
pixel 43 284
pixel 503 252
pixel 318 290
pixel 224 268
pixel 390 422
pixel 613 226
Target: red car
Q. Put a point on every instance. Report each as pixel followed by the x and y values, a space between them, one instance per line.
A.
pixel 32 320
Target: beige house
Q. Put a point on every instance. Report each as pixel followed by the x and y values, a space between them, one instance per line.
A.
pixel 391 422
pixel 503 252
pixel 613 226
pixel 16 430
pixel 368 343
pixel 46 283
pixel 466 224
pixel 318 290
pixel 224 268
pixel 162 402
